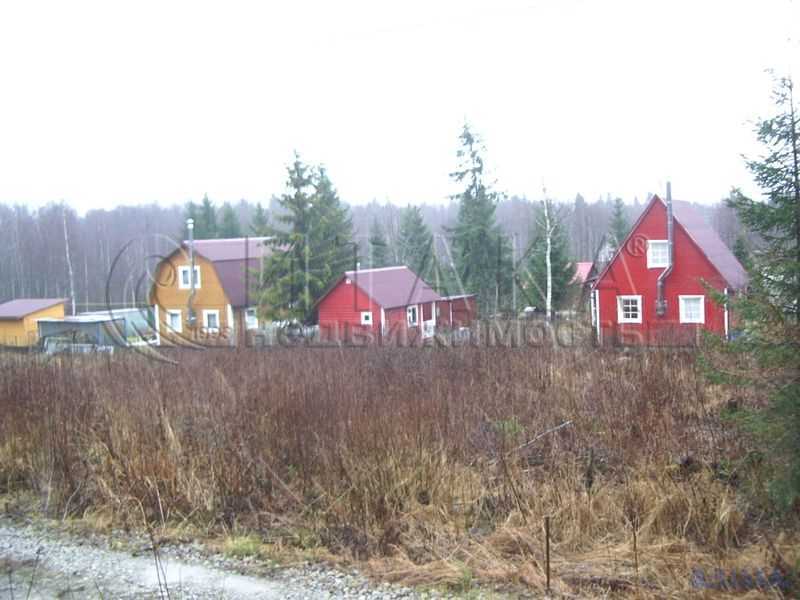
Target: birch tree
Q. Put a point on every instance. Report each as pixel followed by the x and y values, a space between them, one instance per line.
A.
pixel 70 272
pixel 550 269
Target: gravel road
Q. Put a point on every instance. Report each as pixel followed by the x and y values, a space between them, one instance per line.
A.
pixel 38 562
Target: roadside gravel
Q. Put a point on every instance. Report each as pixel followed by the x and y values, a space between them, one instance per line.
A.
pixel 39 562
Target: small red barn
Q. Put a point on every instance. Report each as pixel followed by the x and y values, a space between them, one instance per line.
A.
pixel 654 289
pixel 370 304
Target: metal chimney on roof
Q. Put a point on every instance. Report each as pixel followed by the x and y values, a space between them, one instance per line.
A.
pixel 661 301
pixel 191 318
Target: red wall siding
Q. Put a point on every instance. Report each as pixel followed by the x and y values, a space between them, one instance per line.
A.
pixel 339 313
pixel 464 312
pixel 629 275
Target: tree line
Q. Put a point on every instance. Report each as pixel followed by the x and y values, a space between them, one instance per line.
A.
pixel 481 241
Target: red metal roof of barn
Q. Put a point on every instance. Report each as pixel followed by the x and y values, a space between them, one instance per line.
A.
pixel 232 258
pixel 393 286
pixel 22 307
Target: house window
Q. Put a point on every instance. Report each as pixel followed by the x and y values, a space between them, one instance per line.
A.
pixel 183 277
pixel 629 309
pixel 251 318
pixel 411 316
pixel 692 309
pixel 657 254
pixel 366 317
pixel 211 320
pixel 175 321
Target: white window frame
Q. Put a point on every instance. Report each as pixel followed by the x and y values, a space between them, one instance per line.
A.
pixel 682 309
pixel 652 264
pixel 621 314
pixel 185 269
pixel 366 317
pixel 415 310
pixel 175 313
pixel 251 322
pixel 206 314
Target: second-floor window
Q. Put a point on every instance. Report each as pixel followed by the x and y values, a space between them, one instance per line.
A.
pixel 184 282
pixel 657 254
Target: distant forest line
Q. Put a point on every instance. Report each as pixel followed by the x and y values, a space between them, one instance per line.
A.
pixel 110 249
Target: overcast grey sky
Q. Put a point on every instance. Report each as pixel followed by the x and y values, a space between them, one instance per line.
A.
pixel 104 103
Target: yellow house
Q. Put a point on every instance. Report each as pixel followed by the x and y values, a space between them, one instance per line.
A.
pixel 18 319
pixel 221 298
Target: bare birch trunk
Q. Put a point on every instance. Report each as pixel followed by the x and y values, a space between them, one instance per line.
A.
pixel 548 263
pixel 69 260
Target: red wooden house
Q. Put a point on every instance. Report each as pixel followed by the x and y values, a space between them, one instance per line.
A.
pixel 390 302
pixel 655 289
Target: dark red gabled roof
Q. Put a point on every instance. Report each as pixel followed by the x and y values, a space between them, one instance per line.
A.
pixel 710 244
pixel 22 307
pixel 393 286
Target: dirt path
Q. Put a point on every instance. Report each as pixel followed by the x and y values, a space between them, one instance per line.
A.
pixel 38 563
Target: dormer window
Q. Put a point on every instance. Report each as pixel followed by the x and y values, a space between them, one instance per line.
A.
pixel 657 254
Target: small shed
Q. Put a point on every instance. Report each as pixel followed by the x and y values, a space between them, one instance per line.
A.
pixel 139 324
pixel 18 319
pixel 457 311
pixel 94 329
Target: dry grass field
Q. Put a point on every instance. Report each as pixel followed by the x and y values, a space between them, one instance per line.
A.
pixel 427 466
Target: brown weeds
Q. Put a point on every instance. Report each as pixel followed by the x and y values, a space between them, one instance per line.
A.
pixel 434 465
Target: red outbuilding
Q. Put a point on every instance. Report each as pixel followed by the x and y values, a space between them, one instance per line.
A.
pixel 387 303
pixel 457 311
pixel 656 288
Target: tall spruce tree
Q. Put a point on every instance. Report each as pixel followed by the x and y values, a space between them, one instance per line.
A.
pixel 482 253
pixel 259 222
pixel 619 226
pixel 558 268
pixel 378 247
pixel 313 248
pixel 415 242
pixel 205 227
pixel 229 226
pixel 765 355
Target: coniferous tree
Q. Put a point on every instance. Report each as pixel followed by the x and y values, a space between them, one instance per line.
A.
pixel 741 250
pixel 415 242
pixel 548 223
pixel 765 355
pixel 229 224
pixel 619 226
pixel 205 226
pixel 482 253
pixel 260 221
pixel 378 246
pixel 312 249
